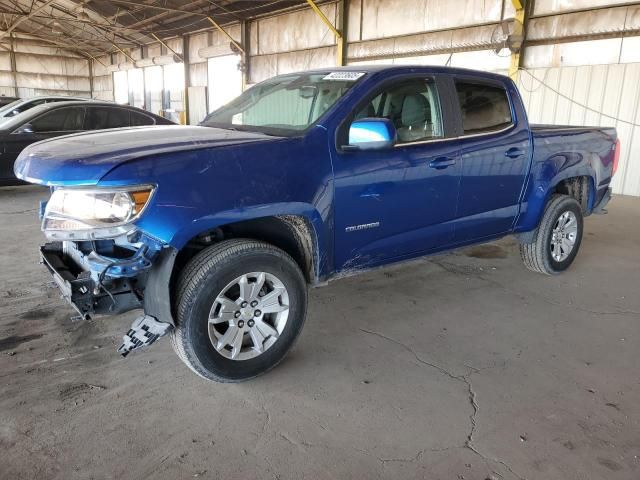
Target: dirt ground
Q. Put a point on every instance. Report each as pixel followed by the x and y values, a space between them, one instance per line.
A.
pixel 462 367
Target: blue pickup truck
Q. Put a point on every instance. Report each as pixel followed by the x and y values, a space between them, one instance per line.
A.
pixel 216 231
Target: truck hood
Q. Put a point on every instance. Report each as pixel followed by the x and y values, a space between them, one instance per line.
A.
pixel 84 158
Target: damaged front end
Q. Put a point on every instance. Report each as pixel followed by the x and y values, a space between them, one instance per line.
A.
pixel 103 265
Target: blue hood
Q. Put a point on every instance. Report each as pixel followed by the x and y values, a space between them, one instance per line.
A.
pixel 84 158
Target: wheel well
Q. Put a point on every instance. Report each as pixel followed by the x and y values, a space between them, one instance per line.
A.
pixel 578 188
pixel 290 233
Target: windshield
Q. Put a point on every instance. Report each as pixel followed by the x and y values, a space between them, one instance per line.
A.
pixel 10 106
pixel 284 105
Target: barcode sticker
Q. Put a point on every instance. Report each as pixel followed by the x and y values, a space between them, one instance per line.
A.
pixel 348 76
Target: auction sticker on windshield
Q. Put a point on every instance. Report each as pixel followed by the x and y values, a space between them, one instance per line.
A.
pixel 349 76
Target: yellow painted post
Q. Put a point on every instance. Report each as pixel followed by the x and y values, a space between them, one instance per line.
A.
pixel 518 34
pixel 338 34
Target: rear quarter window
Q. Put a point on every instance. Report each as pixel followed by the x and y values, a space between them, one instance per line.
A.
pixel 484 108
pixel 140 119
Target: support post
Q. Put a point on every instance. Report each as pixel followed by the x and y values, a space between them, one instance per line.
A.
pixel 518 35
pixel 90 77
pixel 246 39
pixel 187 76
pixel 340 38
pixel 14 70
pixel 342 21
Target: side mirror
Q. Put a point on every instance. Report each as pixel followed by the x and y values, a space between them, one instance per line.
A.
pixel 26 128
pixel 372 134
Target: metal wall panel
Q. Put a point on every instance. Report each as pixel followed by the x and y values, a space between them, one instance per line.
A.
pixel 295 31
pixel 386 18
pixel 59 83
pixel 198 74
pixel 5 61
pixel 545 7
pixel 354 14
pixel 196 42
pixel 197 104
pixel 103 87
pixel 611 20
pixel 50 65
pixel 266 66
pixel 589 52
pixel 424 43
pixel 601 95
pixel 103 83
pixel 485 60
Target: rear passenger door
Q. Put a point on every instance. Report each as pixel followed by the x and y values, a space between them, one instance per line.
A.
pixel 495 151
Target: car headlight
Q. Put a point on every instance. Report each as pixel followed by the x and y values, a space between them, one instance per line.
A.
pixel 94 213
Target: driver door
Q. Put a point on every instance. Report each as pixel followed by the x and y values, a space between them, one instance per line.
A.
pixel 398 202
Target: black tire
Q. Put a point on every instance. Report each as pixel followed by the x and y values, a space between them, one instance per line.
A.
pixel 536 255
pixel 203 278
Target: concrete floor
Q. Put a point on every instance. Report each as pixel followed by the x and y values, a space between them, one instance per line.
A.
pixel 464 366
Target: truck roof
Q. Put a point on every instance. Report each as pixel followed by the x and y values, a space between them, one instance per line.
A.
pixel 410 68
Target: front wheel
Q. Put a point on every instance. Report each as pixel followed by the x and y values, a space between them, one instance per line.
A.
pixel 557 239
pixel 240 306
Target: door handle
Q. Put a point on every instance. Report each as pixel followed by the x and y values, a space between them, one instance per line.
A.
pixel 513 153
pixel 442 162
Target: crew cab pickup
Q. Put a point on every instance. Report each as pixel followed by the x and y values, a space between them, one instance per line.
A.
pixel 215 231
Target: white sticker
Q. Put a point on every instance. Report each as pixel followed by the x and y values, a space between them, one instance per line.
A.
pixel 348 76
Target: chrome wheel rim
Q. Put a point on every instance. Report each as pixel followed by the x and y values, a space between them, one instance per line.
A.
pixel 248 316
pixel 563 236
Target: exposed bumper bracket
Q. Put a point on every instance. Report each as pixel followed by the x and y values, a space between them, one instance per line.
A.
pixel 600 207
pixel 143 332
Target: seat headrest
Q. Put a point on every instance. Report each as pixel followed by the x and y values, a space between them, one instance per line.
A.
pixel 481 113
pixel 415 110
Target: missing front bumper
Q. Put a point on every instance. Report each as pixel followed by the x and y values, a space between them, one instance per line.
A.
pixel 81 290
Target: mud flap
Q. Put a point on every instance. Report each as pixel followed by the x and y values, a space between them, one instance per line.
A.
pixel 143 332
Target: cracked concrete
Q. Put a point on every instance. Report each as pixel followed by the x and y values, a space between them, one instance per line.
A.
pixel 463 367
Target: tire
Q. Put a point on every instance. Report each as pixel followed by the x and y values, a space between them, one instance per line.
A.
pixel 539 255
pixel 201 296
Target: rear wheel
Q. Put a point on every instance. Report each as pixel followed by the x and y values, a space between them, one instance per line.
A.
pixel 240 306
pixel 557 239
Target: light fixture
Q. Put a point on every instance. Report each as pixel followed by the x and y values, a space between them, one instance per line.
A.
pixel 83 15
pixel 56 28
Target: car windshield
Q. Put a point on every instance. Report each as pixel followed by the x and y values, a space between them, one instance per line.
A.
pixel 284 105
pixel 10 106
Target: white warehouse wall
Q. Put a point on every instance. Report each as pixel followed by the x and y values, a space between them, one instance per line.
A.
pixel 598 95
pixel 42 70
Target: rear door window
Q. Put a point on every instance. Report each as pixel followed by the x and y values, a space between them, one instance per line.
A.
pixel 484 108
pixel 99 118
pixel 139 119
pixel 64 119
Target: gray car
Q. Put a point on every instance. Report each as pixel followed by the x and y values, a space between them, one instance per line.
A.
pixel 64 118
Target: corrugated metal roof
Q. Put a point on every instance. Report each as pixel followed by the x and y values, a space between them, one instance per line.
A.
pixel 96 27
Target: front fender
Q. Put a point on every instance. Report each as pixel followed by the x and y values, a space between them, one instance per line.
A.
pixel 308 212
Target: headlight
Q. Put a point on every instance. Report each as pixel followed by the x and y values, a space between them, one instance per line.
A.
pixel 94 213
